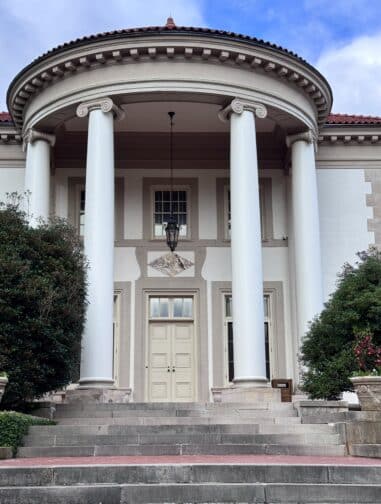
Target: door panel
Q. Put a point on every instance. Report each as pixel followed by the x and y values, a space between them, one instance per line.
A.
pixel 182 358
pixel 160 358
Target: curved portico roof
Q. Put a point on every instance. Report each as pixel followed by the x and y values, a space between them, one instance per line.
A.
pixel 273 60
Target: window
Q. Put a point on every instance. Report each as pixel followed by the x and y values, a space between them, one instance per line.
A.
pixel 163 198
pixel 229 335
pixel 224 209
pixel 171 308
pixel 81 224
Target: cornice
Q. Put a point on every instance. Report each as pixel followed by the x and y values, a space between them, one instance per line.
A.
pixel 237 106
pixel 350 136
pixel 103 104
pixel 93 56
pixel 9 135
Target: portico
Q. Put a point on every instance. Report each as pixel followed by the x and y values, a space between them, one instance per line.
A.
pixel 248 197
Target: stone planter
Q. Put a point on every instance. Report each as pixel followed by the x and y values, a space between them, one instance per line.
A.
pixel 368 390
pixel 3 384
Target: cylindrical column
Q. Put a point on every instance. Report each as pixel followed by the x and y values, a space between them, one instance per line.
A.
pixel 246 247
pixel 37 175
pixel 305 213
pixel 97 342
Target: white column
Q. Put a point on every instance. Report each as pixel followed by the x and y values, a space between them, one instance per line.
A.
pixel 306 233
pixel 246 245
pixel 37 175
pixel 97 342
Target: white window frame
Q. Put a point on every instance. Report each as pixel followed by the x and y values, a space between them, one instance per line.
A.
pixel 167 187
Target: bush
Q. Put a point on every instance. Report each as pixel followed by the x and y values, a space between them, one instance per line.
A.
pixel 42 306
pixel 14 426
pixel 327 350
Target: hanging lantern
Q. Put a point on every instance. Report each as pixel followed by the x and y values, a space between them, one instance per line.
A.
pixel 172 228
pixel 172 233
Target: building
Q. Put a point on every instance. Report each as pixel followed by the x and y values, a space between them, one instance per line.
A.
pixel 272 195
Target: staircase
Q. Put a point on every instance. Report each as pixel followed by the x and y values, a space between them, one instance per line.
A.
pixel 201 453
pixel 181 429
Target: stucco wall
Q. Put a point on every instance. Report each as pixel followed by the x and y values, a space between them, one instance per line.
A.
pixel 11 180
pixel 344 218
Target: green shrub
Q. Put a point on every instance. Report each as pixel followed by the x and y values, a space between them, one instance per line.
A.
pixel 14 426
pixel 327 350
pixel 42 306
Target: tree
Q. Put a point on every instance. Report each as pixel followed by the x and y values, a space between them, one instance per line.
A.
pixel 42 305
pixel 353 309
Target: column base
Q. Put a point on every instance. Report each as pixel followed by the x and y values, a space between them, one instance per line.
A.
pixel 246 394
pixel 98 395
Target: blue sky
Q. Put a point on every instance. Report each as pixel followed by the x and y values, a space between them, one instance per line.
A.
pixel 342 38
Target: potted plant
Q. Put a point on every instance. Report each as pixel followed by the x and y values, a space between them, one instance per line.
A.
pixel 366 379
pixel 3 383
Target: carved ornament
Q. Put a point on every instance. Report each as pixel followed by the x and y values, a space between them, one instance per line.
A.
pixel 103 104
pixel 237 106
pixel 32 135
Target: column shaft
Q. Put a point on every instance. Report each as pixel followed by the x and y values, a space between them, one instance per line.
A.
pixel 246 249
pixel 37 180
pixel 97 344
pixel 305 211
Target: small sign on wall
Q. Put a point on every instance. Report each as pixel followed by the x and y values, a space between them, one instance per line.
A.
pixel 170 264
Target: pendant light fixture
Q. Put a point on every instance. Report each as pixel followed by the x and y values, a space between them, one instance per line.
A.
pixel 172 228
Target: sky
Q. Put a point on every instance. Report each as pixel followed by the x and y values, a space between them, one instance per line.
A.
pixel 341 38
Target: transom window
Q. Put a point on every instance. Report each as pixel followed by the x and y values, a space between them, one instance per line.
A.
pixel 171 307
pixel 163 199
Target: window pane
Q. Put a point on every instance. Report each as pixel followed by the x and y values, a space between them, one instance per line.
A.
pixel 188 307
pixel 266 306
pixel 178 307
pixel 154 307
pixel 164 311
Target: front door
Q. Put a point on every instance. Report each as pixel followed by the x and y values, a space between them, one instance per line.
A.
pixel 171 341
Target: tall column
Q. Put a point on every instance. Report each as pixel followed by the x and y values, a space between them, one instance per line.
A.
pixel 97 343
pixel 246 245
pixel 306 233
pixel 37 174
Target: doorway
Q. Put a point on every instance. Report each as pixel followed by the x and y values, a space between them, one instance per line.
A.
pixel 171 369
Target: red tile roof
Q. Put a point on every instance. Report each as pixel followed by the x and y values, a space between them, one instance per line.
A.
pixel 352 119
pixel 5 117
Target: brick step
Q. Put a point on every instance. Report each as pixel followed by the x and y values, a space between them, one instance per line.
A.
pixel 183 449
pixel 195 493
pixel 180 438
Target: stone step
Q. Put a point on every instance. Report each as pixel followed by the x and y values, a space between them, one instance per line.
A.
pixel 366 450
pixel 195 493
pixel 246 428
pixel 228 420
pixel 183 449
pixel 173 406
pixel 180 438
pixel 179 413
pixel 190 473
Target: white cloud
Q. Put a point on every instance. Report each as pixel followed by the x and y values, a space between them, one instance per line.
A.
pixel 30 28
pixel 354 73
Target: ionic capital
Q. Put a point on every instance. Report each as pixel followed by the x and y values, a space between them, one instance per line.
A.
pixel 32 135
pixel 237 106
pixel 305 136
pixel 103 104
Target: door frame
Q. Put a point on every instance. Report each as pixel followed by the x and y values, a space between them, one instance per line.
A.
pixel 171 293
